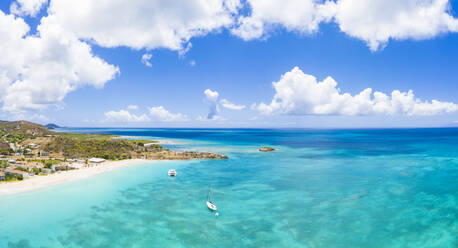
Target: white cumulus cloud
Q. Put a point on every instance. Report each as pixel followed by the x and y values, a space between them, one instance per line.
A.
pixel 38 71
pixel 212 100
pixel 132 107
pixel 301 94
pixel 146 59
pixel 230 105
pixel 213 105
pixel 378 21
pixel 373 21
pixel 302 16
pixel 161 114
pixel 141 24
pixel 27 7
pixel 124 116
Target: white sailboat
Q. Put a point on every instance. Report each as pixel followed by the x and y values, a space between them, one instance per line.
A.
pixel 210 204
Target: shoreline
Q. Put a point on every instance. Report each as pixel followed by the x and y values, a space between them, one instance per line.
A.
pixel 40 182
pixel 157 141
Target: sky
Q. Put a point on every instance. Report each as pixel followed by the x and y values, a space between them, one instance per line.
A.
pixel 230 63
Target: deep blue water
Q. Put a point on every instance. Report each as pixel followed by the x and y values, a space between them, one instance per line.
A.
pixel 321 188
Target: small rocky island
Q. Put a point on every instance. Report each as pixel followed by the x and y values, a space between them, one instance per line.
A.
pixel 266 149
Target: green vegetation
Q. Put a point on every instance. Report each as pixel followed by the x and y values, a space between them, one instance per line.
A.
pixel 89 145
pixel 48 163
pixel 36 171
pixel 67 145
pixel 3 164
pixel 14 137
pixel 21 169
pixel 9 178
pixel 85 136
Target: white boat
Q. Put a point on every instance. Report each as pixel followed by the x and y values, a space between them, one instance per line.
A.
pixel 210 204
pixel 172 173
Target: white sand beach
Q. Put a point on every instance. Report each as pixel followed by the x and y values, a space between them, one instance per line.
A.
pixel 39 182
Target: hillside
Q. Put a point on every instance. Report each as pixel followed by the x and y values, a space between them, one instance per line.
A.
pixel 35 141
pixel 16 131
pixel 5 148
pixel 85 146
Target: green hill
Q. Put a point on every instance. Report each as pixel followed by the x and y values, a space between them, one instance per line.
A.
pixel 16 131
pixel 86 145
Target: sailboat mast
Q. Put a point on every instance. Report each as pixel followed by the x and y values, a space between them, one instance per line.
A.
pixel 209 195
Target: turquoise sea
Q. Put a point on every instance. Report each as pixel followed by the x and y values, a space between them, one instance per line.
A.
pixel 321 188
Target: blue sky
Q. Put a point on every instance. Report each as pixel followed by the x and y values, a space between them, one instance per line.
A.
pixel 242 72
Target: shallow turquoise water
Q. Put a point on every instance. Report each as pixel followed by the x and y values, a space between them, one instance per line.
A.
pixel 322 188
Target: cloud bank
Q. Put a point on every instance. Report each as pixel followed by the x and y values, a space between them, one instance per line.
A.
pixel 38 70
pixel 301 94
pixel 375 21
pixel 141 24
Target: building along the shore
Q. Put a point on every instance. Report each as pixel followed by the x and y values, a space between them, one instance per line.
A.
pixel 16 173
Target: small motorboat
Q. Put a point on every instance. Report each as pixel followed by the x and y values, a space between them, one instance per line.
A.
pixel 172 173
pixel 210 204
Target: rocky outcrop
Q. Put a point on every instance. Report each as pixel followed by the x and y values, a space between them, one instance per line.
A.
pixel 173 155
pixel 266 149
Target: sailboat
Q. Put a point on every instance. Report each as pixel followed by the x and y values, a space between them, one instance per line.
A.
pixel 210 204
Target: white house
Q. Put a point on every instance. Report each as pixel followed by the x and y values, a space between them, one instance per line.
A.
pixel 96 160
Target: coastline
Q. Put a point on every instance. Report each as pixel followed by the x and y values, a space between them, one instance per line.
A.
pixel 40 182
